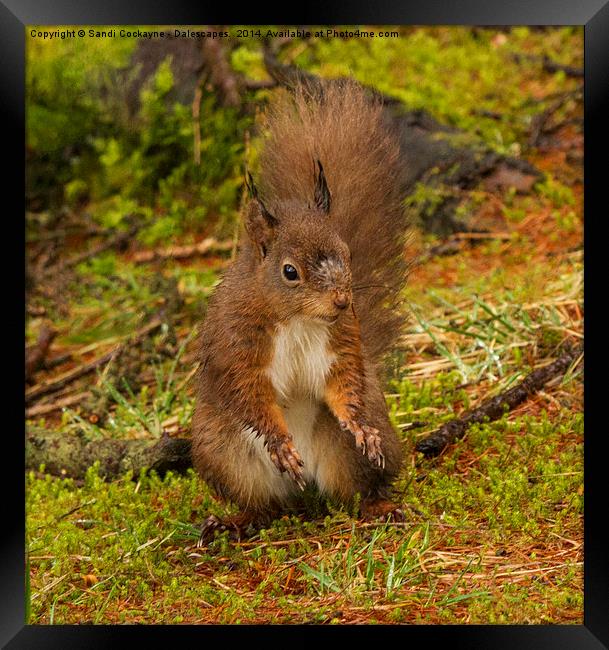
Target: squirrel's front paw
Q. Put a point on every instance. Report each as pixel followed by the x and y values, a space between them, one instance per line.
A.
pixel 287 459
pixel 367 439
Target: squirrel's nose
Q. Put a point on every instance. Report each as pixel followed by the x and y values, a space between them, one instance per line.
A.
pixel 341 300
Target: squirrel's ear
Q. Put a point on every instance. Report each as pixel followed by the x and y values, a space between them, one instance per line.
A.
pixel 322 193
pixel 260 226
pixel 259 222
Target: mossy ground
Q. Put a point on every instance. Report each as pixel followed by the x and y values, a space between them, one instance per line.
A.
pixel 494 528
pixel 494 534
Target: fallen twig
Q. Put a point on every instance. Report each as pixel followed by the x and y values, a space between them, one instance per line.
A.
pixel 59 382
pixel 44 409
pixel 209 245
pixel 67 377
pixel 119 240
pixel 35 354
pixel 495 407
pixel 554 66
pixel 482 235
pixel 540 121
pixel 254 84
pixel 48 364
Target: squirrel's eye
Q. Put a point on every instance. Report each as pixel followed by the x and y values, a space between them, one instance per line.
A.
pixel 290 272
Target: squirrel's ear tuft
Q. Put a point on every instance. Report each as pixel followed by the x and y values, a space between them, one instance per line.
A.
pixel 322 193
pixel 259 222
pixel 249 183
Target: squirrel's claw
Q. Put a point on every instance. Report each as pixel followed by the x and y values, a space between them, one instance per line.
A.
pixel 299 481
pixel 287 459
pixel 373 446
pixel 366 439
pixel 208 527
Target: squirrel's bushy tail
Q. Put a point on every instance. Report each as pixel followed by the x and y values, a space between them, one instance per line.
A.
pixel 341 125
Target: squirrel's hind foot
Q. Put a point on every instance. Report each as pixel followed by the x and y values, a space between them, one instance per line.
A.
pixel 381 510
pixel 237 526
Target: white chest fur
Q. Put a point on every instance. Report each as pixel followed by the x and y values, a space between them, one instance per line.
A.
pixel 301 360
pixel 299 371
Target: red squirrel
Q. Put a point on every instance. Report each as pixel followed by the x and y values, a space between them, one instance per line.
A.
pixel 288 388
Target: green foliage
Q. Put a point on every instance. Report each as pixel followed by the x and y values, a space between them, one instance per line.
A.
pixel 248 60
pixel 155 170
pixel 65 83
pixel 142 164
pixel 464 77
pixel 557 192
pixel 84 144
pixel 65 80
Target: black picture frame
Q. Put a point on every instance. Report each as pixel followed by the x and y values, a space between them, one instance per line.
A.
pixel 15 15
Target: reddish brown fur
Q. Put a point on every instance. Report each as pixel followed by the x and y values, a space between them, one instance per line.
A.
pixel 345 130
pixel 362 236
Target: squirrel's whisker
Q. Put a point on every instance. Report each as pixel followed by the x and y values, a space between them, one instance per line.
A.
pixel 376 286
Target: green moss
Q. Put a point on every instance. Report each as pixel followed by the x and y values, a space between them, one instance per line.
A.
pixel 136 538
pixel 463 77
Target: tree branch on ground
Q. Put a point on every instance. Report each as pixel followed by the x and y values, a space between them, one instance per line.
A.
pixel 45 409
pixel 539 124
pixel 119 241
pixel 494 408
pixel 71 455
pixel 58 383
pixel 209 245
